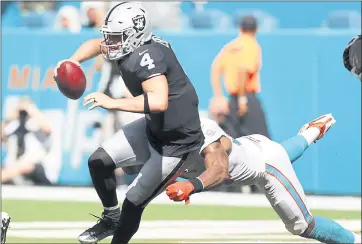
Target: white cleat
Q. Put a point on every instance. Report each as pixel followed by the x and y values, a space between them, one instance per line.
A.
pixel 322 123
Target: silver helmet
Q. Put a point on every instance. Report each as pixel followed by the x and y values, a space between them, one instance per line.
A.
pixel 126 27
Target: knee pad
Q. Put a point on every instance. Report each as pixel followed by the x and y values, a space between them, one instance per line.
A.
pixel 100 161
pixel 298 227
pixel 294 222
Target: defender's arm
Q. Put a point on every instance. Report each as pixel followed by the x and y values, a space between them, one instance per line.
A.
pixel 216 163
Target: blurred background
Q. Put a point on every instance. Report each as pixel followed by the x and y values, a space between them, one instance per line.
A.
pixel 301 77
pixel 296 54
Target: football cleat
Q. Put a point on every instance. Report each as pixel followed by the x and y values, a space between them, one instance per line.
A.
pixel 5 222
pixel 322 123
pixel 104 227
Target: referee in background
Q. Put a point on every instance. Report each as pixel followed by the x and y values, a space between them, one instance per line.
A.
pixel 239 62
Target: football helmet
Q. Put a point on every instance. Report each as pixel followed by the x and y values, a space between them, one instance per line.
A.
pixel 352 59
pixel 126 27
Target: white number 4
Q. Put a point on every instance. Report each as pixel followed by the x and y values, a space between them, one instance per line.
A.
pixel 147 60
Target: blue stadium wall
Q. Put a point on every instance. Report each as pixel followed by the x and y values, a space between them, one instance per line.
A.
pixel 302 77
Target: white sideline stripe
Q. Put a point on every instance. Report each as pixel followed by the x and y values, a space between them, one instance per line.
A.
pixel 260 240
pixel 197 230
pixel 73 234
pixel 87 194
pixel 170 229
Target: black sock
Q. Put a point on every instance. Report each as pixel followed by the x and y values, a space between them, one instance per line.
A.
pixel 128 223
pixel 101 168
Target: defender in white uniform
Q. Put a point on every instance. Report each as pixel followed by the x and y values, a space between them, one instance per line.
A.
pixel 257 160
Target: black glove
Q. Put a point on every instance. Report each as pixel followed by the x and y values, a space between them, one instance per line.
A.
pixel 352 56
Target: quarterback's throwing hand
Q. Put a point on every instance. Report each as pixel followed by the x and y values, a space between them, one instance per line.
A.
pixel 60 62
pixel 98 99
pixel 180 191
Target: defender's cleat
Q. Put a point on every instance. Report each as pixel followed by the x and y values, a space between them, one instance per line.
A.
pixel 5 222
pixel 322 123
pixel 105 227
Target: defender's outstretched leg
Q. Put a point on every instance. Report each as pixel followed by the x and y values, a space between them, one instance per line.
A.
pixel 309 133
pixel 286 195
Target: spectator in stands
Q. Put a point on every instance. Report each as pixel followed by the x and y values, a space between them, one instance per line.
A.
pixel 37 6
pixel 164 15
pixel 68 19
pixel 26 133
pixel 239 62
pixel 93 13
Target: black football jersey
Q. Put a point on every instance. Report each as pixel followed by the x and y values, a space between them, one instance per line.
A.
pixel 177 130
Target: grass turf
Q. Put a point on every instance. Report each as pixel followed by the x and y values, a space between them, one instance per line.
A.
pixel 31 210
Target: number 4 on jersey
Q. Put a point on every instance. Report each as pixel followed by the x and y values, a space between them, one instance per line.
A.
pixel 147 61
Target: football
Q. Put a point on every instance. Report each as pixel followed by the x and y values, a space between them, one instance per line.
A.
pixel 70 80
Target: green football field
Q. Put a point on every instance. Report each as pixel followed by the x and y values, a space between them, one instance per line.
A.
pixel 61 222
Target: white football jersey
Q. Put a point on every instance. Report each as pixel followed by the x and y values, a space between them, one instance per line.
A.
pixel 211 131
pixel 246 158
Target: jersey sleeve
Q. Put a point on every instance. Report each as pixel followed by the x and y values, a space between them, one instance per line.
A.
pixel 250 58
pixel 150 61
pixel 212 132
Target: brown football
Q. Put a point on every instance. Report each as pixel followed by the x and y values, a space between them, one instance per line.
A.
pixel 71 80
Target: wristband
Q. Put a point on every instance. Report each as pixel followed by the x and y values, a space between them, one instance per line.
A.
pixel 198 185
pixel 146 106
pixel 243 100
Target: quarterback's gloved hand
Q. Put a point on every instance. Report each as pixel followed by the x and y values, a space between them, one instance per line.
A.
pixel 180 191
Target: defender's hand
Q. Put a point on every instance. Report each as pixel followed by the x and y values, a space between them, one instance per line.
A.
pixel 180 191
pixel 99 100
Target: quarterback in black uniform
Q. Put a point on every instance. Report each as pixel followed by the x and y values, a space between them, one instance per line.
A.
pixel 157 144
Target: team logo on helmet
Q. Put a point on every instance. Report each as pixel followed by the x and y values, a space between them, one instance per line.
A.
pixel 140 22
